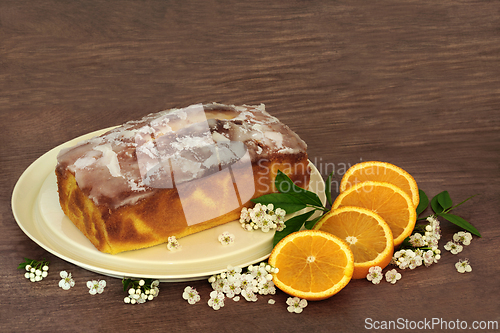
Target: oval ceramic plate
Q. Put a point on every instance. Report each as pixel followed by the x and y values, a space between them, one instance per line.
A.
pixel 35 205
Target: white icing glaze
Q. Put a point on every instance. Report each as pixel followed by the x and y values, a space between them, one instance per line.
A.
pixel 109 159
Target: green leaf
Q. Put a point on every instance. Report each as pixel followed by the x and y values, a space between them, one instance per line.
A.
pixel 436 206
pixel 26 262
pixel 310 224
pixel 285 185
pixel 444 200
pixel 126 283
pixel 292 225
pixel 328 189
pixel 423 203
pixel 285 201
pixel 457 220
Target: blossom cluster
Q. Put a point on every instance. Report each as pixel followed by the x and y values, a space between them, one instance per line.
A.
pixel 460 239
pixel 375 275
pixel 263 217
pixel 233 283
pixel 37 272
pixel 431 236
pixel 424 248
pixel 141 291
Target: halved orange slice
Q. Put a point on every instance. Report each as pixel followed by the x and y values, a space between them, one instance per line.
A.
pixel 312 264
pixel 387 200
pixel 367 234
pixel 381 172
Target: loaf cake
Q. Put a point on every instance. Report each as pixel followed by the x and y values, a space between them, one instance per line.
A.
pixel 174 173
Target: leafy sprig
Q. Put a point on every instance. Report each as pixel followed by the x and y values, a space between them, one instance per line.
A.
pixel 136 284
pixel 36 270
pixel 292 199
pixel 442 204
pixel 36 264
pixel 140 291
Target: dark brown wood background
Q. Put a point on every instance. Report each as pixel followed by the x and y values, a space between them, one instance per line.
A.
pixel 415 83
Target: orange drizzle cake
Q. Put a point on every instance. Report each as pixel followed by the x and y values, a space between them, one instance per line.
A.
pixel 174 173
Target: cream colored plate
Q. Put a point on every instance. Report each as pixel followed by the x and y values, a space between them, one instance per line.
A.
pixel 35 205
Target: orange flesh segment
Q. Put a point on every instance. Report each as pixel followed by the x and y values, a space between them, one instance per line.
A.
pixel 321 272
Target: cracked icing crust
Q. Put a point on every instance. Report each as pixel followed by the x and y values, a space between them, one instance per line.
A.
pixel 108 167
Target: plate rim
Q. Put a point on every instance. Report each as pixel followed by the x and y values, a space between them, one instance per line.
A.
pixel 31 198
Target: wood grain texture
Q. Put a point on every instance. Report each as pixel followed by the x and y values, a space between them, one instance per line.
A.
pixel 415 83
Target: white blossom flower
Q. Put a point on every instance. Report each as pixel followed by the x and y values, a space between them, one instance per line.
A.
pixel 392 276
pixel 173 244
pixel 415 261
pixel 155 288
pixel 267 223
pixel 233 273
pixel 191 295
pixel 431 256
pixel 462 237
pixel 259 273
pixel 245 215
pixel 463 266
pixel 453 247
pixel 96 287
pixel 266 287
pixel 248 283
pixel 249 295
pixel 258 212
pixel 236 298
pixel 226 238
pixel 295 304
pixel 402 258
pixel 375 274
pixel 280 214
pixel 219 283
pixel 432 231
pixel 417 240
pixel 216 300
pixel 66 282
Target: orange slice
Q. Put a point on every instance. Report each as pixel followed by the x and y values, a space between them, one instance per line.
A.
pixel 367 234
pixel 387 200
pixel 381 172
pixel 312 264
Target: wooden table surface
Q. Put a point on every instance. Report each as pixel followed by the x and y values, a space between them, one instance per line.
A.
pixel 414 83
